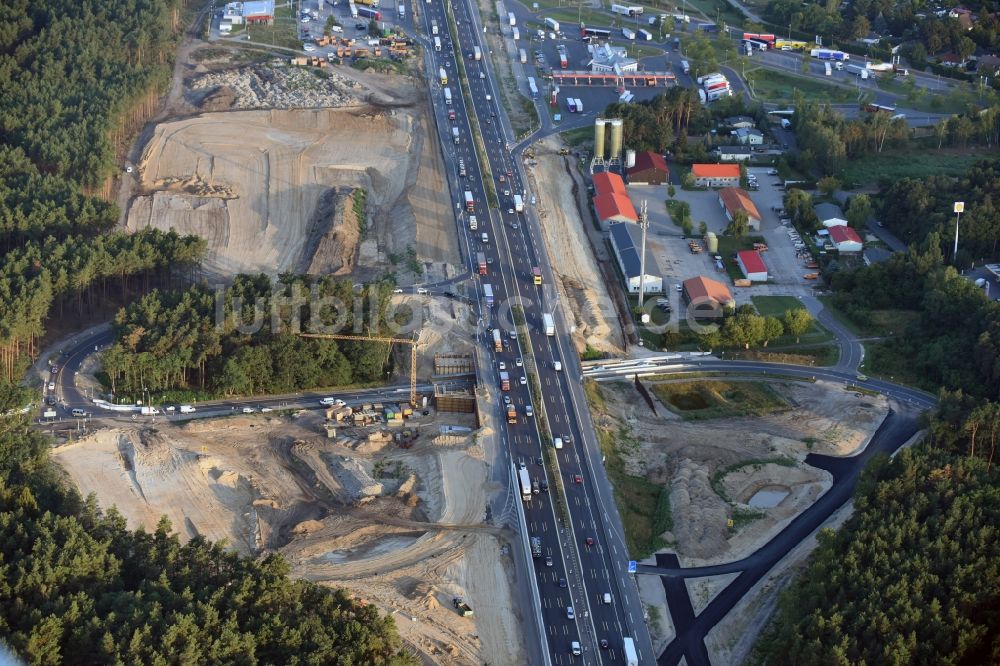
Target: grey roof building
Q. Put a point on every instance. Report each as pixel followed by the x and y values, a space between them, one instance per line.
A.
pixel 626 239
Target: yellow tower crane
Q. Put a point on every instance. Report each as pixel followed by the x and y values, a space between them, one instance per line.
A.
pixel 402 341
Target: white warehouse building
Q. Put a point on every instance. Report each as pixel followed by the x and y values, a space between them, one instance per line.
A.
pixel 626 239
pixel 607 59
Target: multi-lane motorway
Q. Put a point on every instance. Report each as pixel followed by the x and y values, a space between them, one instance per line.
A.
pixel 587 549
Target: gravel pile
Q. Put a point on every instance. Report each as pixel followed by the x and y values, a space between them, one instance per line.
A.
pixel 282 87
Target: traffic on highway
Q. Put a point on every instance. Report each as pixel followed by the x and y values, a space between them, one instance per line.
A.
pixel 588 607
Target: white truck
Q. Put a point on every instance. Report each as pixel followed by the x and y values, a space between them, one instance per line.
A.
pixel 149 411
pixel 553 24
pixel 402 11
pixel 628 33
pixel 548 323
pixel 511 19
pixel 620 9
pixel 473 223
pixel 829 70
pixel 477 53
pixel 447 96
pixel 646 35
pixel 518 203
pixel 631 656
pixel 525 479
pixel 515 34
pixel 579 105
pixel 858 70
pixel 454 133
pixel 434 27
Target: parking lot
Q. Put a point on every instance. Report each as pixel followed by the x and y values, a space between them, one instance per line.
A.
pixel 678 263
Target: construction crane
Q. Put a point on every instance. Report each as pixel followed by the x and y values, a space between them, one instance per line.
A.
pixel 402 341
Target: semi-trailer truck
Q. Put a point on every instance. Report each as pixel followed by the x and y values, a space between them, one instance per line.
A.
pixel 504 380
pixel 488 294
pixel 536 546
pixel 646 35
pixel 548 323
pixel 553 24
pixel 858 70
pixel 437 44
pixel 447 96
pixel 473 223
pixel 443 76
pixel 497 340
pixel 368 12
pixel 470 202
pixel 579 105
pixel 481 260
pixel 628 33
pixel 525 480
pixel 477 53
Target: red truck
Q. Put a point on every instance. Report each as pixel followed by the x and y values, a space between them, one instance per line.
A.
pixel 481 258
pixel 504 381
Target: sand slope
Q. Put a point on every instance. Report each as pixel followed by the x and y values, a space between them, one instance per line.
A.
pixel 249 182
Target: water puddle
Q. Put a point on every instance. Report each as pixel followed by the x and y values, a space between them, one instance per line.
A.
pixel 768 497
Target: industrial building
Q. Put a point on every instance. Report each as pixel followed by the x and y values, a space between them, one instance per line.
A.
pixel 830 215
pixel 611 201
pixel 738 122
pixel 258 11
pixel 707 296
pixel 626 239
pixel 650 169
pixel 716 175
pixel 752 265
pixel 733 199
pixel 846 239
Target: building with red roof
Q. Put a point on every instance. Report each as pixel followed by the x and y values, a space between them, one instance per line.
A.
pixel 733 199
pixel 650 169
pixel 707 297
pixel 752 265
pixel 846 239
pixel 613 208
pixel 608 183
pixel 716 175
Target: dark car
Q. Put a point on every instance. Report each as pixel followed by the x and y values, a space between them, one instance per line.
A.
pixel 360 26
pixel 545 486
pixel 449 294
pixel 562 582
pixel 604 644
pixel 50 400
pixel 577 478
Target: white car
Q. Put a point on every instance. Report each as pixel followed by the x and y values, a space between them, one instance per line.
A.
pixel 422 290
pixel 52 386
pixel 339 402
pixel 305 19
pixel 248 410
pixel 397 290
pixel 308 47
pixel 524 380
pixel 503 366
pixel 518 362
pixel 326 401
pixel 265 410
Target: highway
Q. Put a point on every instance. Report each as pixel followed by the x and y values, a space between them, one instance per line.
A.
pixel 588 549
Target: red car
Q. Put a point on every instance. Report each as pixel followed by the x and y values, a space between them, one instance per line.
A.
pixel 589 541
pixel 578 478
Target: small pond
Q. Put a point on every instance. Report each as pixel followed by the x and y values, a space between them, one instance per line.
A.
pixel 768 497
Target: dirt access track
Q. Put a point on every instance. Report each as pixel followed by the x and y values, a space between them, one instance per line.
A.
pixel 402 528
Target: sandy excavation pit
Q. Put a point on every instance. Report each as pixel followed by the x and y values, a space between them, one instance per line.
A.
pixel 348 512
pixel 272 190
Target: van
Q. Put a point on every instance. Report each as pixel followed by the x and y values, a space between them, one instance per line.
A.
pixel 575 648
pixel 187 409
pixel 557 365
pixel 486 237
pixel 606 598
pixel 557 442
pixel 79 412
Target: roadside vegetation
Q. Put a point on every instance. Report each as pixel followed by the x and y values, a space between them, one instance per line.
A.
pixel 175 344
pixel 924 521
pixel 78 585
pixel 644 506
pixel 715 399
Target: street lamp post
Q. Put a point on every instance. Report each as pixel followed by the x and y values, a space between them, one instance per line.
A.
pixel 958 208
